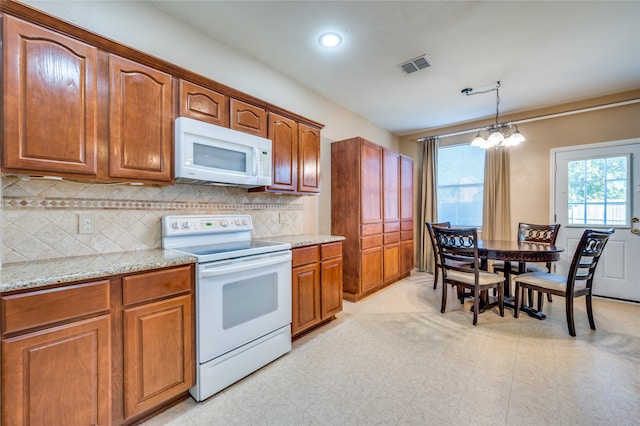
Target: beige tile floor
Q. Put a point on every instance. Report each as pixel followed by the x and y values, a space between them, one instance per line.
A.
pixel 394 359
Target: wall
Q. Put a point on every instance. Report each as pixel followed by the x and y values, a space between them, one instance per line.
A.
pixel 27 204
pixel 530 161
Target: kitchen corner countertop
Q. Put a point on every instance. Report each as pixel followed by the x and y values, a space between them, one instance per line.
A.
pixel 304 239
pixel 30 275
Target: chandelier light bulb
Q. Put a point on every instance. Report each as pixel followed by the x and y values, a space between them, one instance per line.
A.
pixel 495 138
pixel 515 138
pixel 478 141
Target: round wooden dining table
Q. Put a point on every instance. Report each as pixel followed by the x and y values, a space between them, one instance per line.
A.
pixel 521 252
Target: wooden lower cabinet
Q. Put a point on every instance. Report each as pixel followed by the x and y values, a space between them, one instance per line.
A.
pixel 158 353
pixel 317 286
pixel 60 375
pixel 104 352
pixel 406 257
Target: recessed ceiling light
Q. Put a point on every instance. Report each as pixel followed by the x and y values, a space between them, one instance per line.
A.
pixel 330 40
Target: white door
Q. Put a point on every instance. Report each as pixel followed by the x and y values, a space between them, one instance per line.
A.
pixel 598 187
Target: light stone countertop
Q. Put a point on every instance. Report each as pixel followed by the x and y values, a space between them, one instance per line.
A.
pixel 41 273
pixel 305 239
pixel 34 274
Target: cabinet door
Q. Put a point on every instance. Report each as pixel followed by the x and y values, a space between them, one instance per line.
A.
pixel 391 186
pixel 308 159
pixel 158 353
pixel 50 101
pixel 391 262
pixel 331 286
pixel 371 183
pixel 61 375
pixel 371 268
pixel 283 132
pixel 203 104
pixel 248 118
pixel 140 122
pixel 406 189
pixel 306 297
pixel 406 257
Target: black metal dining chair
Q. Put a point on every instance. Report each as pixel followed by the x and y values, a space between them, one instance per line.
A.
pixel 578 282
pixel 459 246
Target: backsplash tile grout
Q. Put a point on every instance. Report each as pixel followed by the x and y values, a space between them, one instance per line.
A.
pixel 40 217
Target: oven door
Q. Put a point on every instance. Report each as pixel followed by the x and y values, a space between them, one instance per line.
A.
pixel 240 300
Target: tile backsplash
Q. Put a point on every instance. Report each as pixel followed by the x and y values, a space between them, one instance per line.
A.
pixel 40 216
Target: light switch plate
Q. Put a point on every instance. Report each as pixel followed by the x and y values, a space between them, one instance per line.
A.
pixel 86 223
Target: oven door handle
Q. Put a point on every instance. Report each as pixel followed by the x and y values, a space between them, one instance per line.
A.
pixel 237 266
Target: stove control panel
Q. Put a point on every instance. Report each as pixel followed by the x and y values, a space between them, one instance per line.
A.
pixel 195 224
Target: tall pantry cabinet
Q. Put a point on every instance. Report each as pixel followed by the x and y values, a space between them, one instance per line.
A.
pixel 372 206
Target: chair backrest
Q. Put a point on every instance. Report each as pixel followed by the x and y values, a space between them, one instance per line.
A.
pixel 538 233
pixel 586 256
pixel 432 235
pixel 458 247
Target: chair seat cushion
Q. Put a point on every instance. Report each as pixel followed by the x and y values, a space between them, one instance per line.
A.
pixel 547 280
pixel 485 277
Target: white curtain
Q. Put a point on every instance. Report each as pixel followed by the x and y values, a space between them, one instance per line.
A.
pixel 428 202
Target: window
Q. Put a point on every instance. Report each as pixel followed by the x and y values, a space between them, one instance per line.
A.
pixel 460 185
pixel 598 191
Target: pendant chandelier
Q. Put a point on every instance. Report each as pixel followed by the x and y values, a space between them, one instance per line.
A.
pixel 498 134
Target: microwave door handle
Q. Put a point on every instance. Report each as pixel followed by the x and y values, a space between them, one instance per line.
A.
pixel 255 161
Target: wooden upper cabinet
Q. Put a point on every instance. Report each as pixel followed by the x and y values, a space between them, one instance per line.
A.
pixel 283 133
pixel 370 182
pixel 140 122
pixel 203 104
pixel 308 159
pixel 391 183
pixel 50 101
pixel 248 118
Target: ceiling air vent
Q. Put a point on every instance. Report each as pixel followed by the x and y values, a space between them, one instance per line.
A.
pixel 415 64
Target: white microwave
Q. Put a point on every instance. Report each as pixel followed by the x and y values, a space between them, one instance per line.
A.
pixel 210 154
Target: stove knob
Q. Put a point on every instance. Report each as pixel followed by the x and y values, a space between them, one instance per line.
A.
pixel 224 223
pixel 186 225
pixel 175 225
pixel 244 221
pixel 238 222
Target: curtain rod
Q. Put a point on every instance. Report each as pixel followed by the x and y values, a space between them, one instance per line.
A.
pixel 538 118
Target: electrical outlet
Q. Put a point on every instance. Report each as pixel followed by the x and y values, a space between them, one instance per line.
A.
pixel 86 223
pixel 282 218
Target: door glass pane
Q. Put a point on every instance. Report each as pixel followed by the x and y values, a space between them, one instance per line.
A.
pixel 598 191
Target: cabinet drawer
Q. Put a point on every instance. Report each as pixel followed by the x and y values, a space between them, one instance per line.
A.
pixel 304 255
pixel 371 229
pixel 391 227
pixel 406 235
pixel 156 284
pixel 38 308
pixel 406 225
pixel 373 241
pixel 330 250
pixel 391 237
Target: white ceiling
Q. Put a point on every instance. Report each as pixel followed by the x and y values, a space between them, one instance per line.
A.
pixel 544 53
